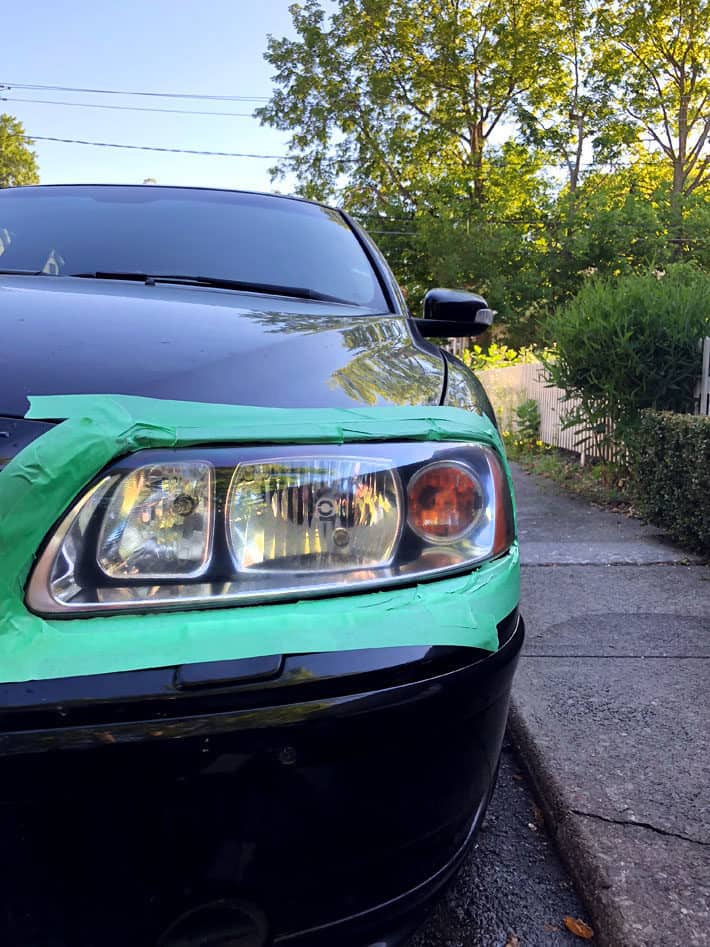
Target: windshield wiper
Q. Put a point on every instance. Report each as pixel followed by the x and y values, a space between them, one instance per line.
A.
pixel 270 289
pixel 23 273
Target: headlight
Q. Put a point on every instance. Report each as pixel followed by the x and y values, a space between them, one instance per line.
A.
pixel 219 526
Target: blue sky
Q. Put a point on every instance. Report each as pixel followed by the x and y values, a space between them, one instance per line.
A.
pixel 211 47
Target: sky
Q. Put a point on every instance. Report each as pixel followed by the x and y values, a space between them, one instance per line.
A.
pixel 211 47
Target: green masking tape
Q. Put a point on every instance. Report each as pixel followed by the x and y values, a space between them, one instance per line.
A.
pixel 43 480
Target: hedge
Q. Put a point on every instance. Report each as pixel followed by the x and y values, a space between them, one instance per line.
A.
pixel 670 462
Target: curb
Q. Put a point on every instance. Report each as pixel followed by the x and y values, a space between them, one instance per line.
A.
pixel 573 841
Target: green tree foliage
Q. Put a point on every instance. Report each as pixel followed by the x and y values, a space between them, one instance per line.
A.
pixel 575 112
pixel 499 356
pixel 18 163
pixel 655 55
pixel 403 96
pixel 512 148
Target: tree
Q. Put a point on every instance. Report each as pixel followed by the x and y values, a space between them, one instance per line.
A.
pixel 399 95
pixel 443 125
pixel 498 249
pixel 656 55
pixel 564 117
pixel 18 163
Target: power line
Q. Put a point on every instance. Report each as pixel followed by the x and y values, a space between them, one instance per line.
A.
pixel 160 95
pixel 387 218
pixel 181 151
pixel 129 108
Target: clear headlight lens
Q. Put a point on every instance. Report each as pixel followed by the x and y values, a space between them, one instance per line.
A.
pixel 158 523
pixel 219 526
pixel 317 515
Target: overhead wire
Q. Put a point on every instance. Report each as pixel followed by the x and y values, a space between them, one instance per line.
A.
pixel 127 108
pixel 162 95
pixel 182 151
pixel 9 86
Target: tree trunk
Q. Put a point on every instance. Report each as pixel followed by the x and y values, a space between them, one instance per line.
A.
pixel 679 175
pixel 577 166
pixel 477 141
pixel 477 162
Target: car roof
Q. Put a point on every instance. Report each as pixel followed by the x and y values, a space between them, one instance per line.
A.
pixel 169 187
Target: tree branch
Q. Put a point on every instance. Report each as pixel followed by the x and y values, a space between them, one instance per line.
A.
pixel 669 152
pixel 698 112
pixel 697 147
pixel 700 176
pixel 644 65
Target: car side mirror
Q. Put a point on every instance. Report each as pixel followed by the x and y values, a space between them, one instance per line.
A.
pixel 454 313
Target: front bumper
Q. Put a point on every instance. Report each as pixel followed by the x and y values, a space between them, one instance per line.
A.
pixel 337 803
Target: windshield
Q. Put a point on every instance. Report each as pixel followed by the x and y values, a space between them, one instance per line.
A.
pixel 248 238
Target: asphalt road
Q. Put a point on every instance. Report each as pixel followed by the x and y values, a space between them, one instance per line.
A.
pixel 512 891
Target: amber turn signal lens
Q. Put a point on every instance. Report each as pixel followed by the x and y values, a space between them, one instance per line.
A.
pixel 444 502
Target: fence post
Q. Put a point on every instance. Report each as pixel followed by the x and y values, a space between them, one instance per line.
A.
pixel 703 387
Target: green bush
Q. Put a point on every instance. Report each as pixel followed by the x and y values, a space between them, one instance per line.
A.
pixel 670 465
pixel 527 420
pixel 497 356
pixel 629 343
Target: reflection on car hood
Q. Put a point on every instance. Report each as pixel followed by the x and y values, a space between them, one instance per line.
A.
pixel 68 335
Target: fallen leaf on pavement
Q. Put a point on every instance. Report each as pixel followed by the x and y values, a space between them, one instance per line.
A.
pixel 513 941
pixel 578 928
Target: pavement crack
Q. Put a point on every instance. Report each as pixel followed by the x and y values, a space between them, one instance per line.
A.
pixel 641 825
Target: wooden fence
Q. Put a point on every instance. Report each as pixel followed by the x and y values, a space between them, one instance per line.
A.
pixel 509 387
pixel 702 390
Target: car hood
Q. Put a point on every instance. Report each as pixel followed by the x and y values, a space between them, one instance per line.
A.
pixel 65 335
